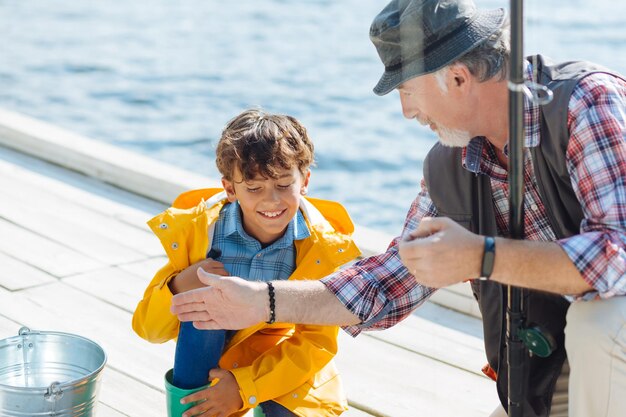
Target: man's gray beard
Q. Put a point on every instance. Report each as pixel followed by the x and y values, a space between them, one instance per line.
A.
pixel 453 138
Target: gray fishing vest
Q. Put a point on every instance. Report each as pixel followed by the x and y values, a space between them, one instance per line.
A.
pixel 467 198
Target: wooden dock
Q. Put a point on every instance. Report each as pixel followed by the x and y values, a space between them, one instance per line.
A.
pixel 76 255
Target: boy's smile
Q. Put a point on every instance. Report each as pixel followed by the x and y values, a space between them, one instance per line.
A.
pixel 267 205
pixel 272 214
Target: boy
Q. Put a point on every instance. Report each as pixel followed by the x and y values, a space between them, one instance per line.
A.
pixel 262 228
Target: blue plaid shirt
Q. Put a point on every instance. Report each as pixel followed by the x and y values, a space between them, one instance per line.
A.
pixel 243 256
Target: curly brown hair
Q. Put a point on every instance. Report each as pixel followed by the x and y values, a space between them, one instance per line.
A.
pixel 261 143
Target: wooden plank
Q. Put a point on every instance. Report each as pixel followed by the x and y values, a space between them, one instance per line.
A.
pixel 16 275
pixel 38 176
pixel 63 220
pixel 8 327
pixel 456 301
pixel 450 318
pixel 74 234
pixel 44 254
pixel 52 213
pixel 145 268
pixel 122 286
pixel 113 285
pixel 398 383
pixel 104 410
pixel 462 347
pixel 125 394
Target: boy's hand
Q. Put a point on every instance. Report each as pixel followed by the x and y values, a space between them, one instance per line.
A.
pixel 220 400
pixel 209 265
pixel 187 279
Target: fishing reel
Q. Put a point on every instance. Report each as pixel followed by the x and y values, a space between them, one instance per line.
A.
pixel 537 341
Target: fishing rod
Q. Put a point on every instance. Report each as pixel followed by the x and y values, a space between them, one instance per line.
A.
pixel 521 339
pixel 516 317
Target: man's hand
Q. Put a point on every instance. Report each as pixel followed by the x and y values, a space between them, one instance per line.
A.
pixel 226 303
pixel 440 252
pixel 219 400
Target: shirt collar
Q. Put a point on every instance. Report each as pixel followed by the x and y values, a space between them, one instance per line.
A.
pixel 531 113
pixel 472 154
pixel 233 223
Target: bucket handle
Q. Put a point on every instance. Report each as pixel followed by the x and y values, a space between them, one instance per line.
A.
pixel 24 331
pixel 54 392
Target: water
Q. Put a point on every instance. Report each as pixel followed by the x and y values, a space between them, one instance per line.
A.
pixel 162 77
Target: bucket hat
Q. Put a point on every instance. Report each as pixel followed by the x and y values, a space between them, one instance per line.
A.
pixel 417 37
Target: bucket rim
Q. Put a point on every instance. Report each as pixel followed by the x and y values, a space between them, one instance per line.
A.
pixel 28 332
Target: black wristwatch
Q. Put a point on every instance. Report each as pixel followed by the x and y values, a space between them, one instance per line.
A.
pixel 489 255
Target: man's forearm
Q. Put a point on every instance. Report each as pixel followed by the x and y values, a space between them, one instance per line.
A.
pixel 538 265
pixel 310 302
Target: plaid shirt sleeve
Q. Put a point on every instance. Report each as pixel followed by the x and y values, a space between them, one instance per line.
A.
pixel 379 289
pixel 596 161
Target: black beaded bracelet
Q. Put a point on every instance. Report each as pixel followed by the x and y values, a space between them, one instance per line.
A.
pixel 270 288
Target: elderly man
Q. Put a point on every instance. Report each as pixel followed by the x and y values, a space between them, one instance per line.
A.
pixel 448 61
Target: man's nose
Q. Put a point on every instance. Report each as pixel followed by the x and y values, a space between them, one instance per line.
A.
pixel 407 109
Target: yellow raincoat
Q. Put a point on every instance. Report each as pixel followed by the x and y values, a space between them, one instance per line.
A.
pixel 287 363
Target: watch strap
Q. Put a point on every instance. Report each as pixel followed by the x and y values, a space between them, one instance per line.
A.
pixel 489 255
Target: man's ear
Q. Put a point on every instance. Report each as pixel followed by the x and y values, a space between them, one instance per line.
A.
pixel 304 188
pixel 230 190
pixel 461 78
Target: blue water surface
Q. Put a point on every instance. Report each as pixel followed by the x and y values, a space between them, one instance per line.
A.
pixel 162 77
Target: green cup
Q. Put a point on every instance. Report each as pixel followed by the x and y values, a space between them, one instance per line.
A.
pixel 173 395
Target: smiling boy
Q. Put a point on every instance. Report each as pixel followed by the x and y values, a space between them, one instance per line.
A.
pixel 262 228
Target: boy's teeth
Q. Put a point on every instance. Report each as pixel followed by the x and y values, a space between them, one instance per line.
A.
pixel 271 213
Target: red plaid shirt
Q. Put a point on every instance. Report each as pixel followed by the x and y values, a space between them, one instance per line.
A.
pixel 382 292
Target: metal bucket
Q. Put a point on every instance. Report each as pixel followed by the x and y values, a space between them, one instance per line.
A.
pixel 49 374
